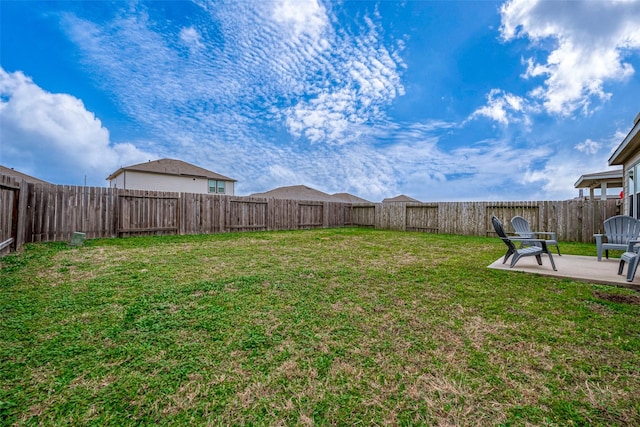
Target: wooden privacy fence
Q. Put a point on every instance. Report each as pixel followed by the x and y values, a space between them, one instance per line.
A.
pixel 54 212
pixel 41 213
pixel 574 220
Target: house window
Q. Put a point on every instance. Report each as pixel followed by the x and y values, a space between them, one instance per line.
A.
pixel 216 186
pixel 633 196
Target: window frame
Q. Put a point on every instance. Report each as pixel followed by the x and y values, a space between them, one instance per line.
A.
pixel 633 189
pixel 218 186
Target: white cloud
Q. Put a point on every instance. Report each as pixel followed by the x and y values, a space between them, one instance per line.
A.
pixel 556 177
pixel 364 76
pixel 504 108
pixel 41 130
pixel 302 16
pixel 279 60
pixel 282 175
pixel 590 40
pixel 588 146
pixel 191 38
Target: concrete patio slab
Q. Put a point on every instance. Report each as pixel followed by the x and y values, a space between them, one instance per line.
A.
pixel 575 267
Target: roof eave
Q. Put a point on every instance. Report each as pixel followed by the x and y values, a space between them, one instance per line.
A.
pixel 116 173
pixel 627 147
pixel 590 180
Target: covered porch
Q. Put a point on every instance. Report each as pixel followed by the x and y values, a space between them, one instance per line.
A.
pixel 605 181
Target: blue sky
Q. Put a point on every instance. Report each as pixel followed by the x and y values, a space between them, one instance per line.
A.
pixel 438 100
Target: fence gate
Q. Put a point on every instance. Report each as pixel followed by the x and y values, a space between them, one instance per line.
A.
pixel 310 215
pixel 247 215
pixel 147 212
pixel 9 196
pixel 363 216
pixel 422 218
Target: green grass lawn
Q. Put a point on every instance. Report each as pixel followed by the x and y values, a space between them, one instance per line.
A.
pixel 320 327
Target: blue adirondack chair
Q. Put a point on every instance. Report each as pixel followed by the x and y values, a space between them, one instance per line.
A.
pixel 534 247
pixel 523 229
pixel 618 230
pixel 631 256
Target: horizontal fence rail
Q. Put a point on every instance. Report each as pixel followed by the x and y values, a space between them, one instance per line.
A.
pixel 45 213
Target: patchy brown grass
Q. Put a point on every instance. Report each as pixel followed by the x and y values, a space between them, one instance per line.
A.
pixel 323 327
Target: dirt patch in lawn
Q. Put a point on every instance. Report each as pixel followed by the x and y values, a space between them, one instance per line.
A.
pixel 619 298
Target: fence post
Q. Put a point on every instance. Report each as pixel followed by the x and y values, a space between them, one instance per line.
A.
pixel 15 215
pixel 21 223
pixel 116 212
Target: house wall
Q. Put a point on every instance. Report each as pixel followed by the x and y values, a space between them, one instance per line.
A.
pixel 628 155
pixel 134 180
pixel 628 165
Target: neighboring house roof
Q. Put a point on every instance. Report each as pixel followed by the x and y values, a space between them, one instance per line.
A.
pixel 172 167
pixel 302 192
pixel 400 198
pixel 296 192
pixel 629 146
pixel 20 176
pixel 613 178
pixel 348 198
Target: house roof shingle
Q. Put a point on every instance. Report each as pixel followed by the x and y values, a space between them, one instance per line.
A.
pixel 400 198
pixel 19 175
pixel 172 167
pixel 348 198
pixel 296 192
pixel 302 192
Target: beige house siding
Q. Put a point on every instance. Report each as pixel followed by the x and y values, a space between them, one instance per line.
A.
pixel 134 180
pixel 628 165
